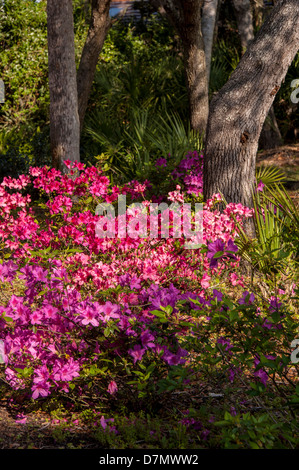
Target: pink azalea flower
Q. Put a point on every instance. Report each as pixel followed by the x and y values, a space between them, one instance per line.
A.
pixel 89 317
pixel 112 387
pixel 40 389
pixel 205 281
pixel 21 419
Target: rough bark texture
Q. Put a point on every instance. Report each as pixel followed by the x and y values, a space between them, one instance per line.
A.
pixel 185 15
pixel 99 26
pixel 195 65
pixel 270 134
pixel 244 20
pixel 208 20
pixel 64 118
pixel 238 111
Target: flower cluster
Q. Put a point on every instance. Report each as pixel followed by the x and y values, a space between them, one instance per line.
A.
pixel 87 300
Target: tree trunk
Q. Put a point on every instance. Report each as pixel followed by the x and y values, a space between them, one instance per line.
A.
pixel 244 20
pixel 87 10
pixel 238 111
pixel 99 26
pixel 185 15
pixel 64 118
pixel 216 22
pixel 270 134
pixel 195 66
pixel 208 21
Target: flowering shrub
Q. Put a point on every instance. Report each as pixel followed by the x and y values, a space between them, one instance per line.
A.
pixel 101 316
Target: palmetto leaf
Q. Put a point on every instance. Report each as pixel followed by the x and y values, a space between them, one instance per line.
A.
pixel 278 195
pixel 275 218
pixel 269 175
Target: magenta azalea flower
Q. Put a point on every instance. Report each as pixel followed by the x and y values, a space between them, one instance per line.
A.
pixel 274 305
pixel 247 299
pixel 109 310
pixel 219 247
pixel 137 353
pixel 89 317
pixel 147 339
pixel 213 248
pixel 225 342
pixel 161 162
pixel 262 375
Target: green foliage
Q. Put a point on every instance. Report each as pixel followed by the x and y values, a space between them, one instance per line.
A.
pixel 225 59
pixel 269 175
pixel 139 104
pixel 23 67
pixel 276 222
pixel 17 155
pixel 130 149
pixel 24 116
pixel 140 99
pixel 250 432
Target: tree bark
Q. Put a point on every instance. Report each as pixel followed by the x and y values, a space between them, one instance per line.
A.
pixel 208 21
pixel 99 26
pixel 64 118
pixel 270 134
pixel 195 65
pixel 238 111
pixel 185 15
pixel 245 22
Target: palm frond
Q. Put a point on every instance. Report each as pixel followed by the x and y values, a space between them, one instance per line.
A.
pixel 269 175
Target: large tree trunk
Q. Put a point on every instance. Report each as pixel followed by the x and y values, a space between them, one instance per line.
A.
pixel 208 21
pixel 238 111
pixel 64 118
pixel 185 15
pixel 195 66
pixel 99 26
pixel 270 134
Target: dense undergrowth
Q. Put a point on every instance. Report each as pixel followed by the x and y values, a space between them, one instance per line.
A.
pixel 138 108
pixel 143 341
pixel 142 336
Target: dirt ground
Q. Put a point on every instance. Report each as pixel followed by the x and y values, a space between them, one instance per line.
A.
pixel 287 159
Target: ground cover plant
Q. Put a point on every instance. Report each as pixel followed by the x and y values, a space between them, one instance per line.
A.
pixel 139 336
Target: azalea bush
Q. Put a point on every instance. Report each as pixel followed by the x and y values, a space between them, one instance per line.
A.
pixel 128 321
